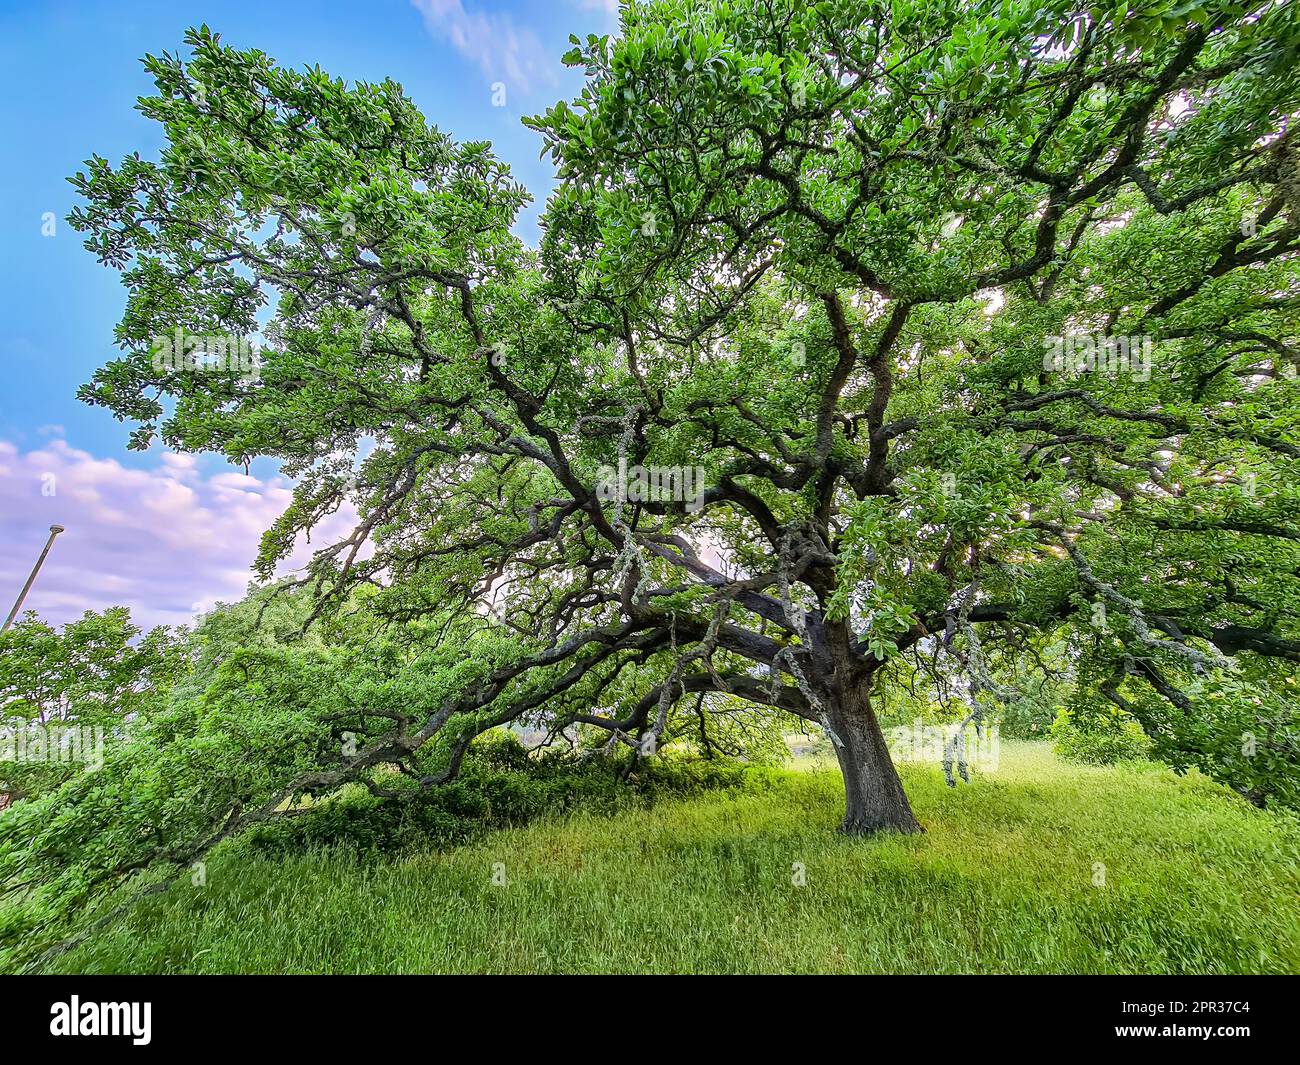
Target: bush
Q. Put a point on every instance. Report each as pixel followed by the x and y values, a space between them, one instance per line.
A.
pixel 1099 741
pixel 499 785
pixel 1029 715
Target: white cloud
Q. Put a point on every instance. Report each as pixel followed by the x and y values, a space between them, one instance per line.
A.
pixel 610 7
pixel 503 50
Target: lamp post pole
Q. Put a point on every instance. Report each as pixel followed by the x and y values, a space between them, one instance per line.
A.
pixel 18 605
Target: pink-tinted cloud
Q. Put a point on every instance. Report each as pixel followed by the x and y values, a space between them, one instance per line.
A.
pixel 166 541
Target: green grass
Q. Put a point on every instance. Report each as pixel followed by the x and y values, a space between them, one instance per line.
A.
pixel 1195 881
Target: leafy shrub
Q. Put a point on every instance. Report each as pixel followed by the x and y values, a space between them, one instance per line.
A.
pixel 1025 719
pixel 499 785
pixel 1099 741
pixel 1240 727
pixel 1029 715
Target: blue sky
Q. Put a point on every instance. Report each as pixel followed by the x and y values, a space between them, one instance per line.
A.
pixel 70 76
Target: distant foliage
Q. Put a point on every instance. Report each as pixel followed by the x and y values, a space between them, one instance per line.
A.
pixel 86 681
pixel 1103 741
pixel 1027 717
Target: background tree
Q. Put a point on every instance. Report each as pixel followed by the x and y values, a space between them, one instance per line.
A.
pixel 818 251
pixel 88 678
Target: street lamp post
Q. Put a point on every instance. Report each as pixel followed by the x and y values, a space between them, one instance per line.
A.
pixel 18 605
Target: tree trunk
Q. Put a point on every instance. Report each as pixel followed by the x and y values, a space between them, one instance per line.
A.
pixel 874 800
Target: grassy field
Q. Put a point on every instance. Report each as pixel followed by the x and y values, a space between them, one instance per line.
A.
pixel 1008 878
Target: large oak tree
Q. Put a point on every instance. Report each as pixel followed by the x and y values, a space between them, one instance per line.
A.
pixel 818 250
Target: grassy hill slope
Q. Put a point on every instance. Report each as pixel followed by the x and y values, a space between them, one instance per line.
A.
pixel 1008 878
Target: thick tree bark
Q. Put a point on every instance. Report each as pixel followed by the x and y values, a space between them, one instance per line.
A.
pixel 874 800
